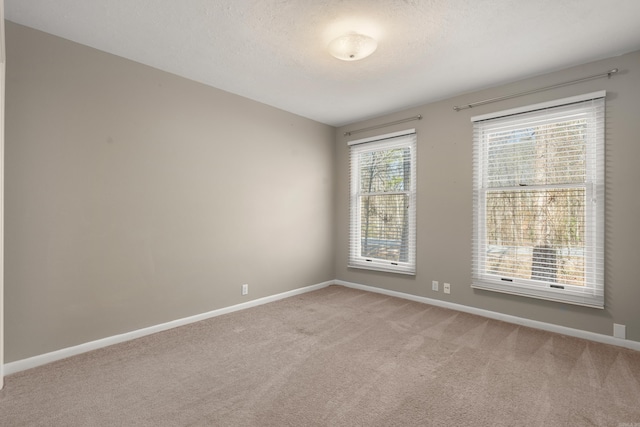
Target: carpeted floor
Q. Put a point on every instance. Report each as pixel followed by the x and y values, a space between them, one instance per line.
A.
pixel 335 357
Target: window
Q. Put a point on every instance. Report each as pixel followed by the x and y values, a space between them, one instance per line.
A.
pixel 383 203
pixel 539 201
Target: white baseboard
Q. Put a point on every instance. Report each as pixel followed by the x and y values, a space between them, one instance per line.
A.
pixel 563 330
pixel 42 359
pixel 35 361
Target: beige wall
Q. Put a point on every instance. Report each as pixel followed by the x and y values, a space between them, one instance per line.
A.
pixel 445 200
pixel 135 197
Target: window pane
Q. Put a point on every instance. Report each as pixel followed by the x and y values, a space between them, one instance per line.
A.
pixel 537 234
pixel 385 170
pixel 539 200
pixel 385 231
pixel 550 153
pixel 382 227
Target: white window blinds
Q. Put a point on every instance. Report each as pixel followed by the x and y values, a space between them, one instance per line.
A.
pixel 539 201
pixel 382 233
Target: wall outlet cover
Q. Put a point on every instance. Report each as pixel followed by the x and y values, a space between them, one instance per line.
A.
pixel 620 331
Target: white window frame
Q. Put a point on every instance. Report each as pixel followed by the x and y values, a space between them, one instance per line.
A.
pixel 402 139
pixel 592 294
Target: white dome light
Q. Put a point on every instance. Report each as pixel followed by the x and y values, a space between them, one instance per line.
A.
pixel 352 47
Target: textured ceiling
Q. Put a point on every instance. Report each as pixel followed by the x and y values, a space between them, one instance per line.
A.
pixel 274 51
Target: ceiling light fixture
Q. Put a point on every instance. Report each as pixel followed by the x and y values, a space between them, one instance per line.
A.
pixel 352 47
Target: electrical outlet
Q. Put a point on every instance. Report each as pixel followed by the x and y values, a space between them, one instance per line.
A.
pixel 447 288
pixel 619 331
pixel 245 289
pixel 434 285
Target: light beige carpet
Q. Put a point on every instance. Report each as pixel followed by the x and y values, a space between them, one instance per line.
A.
pixel 335 357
